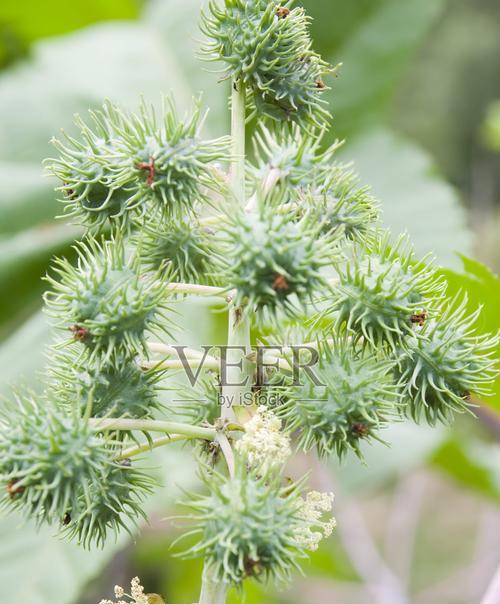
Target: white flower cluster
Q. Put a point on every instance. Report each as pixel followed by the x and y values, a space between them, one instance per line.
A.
pixel 314 528
pixel 264 446
pixel 136 595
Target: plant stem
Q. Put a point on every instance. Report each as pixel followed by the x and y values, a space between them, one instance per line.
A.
pixel 239 380
pixel 208 363
pixel 238 118
pixel 196 290
pixel 238 320
pixel 150 445
pixel 189 353
pixel 213 591
pixel 169 350
pixel 152 425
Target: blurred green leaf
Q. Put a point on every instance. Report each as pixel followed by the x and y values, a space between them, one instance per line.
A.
pixel 414 198
pixel 177 25
pixel 334 23
pixel 77 72
pixel 66 75
pixel 51 17
pixel 38 568
pixel 408 446
pixel 22 354
pixel 23 260
pixel 26 198
pixel 374 57
pixel 482 288
pixel 12 47
pixel 490 131
pixel 473 466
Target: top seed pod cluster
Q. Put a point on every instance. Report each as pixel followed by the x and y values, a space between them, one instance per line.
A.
pixel 302 255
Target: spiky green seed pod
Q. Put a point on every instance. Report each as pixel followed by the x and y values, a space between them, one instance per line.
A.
pixel 55 470
pixel 164 160
pixel 180 248
pixel 274 262
pixel 352 397
pixel 294 159
pixel 267 46
pixel 113 170
pixel 248 527
pixel 443 363
pixel 116 505
pixel 341 203
pixel 314 181
pixel 103 301
pixel 90 196
pixel 116 387
pixel 46 457
pixel 379 293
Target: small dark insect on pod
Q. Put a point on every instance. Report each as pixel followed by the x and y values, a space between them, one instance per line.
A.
pixel 79 333
pixel 360 430
pixel 418 318
pixel 282 12
pixel 280 283
pixel 14 489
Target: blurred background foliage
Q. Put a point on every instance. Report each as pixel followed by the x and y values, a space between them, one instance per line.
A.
pixel 418 100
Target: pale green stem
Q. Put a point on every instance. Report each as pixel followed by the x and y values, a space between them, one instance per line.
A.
pixel 238 319
pixel 213 591
pixel 208 363
pixel 272 358
pixel 153 444
pixel 238 118
pixel 190 353
pixel 151 425
pixel 192 289
pixel 150 445
pixel 239 381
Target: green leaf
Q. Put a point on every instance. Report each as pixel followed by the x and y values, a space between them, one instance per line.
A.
pixel 409 446
pixel 78 71
pixel 414 198
pixel 121 60
pixel 482 287
pixel 41 19
pixel 344 19
pixel 23 261
pixel 26 197
pixel 472 465
pixel 38 568
pixel 177 25
pixel 22 354
pixel 490 131
pixel 374 58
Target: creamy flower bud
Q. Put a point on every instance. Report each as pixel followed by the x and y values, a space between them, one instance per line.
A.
pixel 314 529
pixel 264 446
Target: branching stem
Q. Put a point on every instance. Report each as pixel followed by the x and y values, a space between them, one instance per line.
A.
pixel 208 363
pixel 193 289
pixel 150 445
pixel 171 350
pixel 152 425
pixel 213 591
